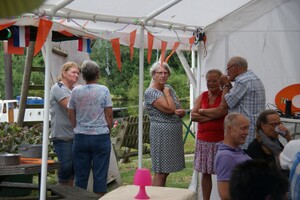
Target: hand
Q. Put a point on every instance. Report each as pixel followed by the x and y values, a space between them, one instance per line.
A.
pixel 166 91
pixel 180 112
pixel 224 81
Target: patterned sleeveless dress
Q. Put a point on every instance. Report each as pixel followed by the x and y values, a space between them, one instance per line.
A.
pixel 166 141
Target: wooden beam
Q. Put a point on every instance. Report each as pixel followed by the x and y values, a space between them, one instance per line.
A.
pixel 25 84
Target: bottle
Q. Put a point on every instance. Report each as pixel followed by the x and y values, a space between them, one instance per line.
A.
pixel 288 112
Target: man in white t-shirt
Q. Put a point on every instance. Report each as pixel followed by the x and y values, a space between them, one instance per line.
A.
pixel 288 154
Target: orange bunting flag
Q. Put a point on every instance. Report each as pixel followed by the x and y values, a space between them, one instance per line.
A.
pixel 150 46
pixel 3 26
pixel 42 33
pixel 132 40
pixel 176 45
pixel 11 49
pixel 163 50
pixel 191 41
pixel 115 43
pixel 66 33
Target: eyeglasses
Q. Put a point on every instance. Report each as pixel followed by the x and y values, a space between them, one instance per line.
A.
pixel 163 73
pixel 274 123
pixel 229 67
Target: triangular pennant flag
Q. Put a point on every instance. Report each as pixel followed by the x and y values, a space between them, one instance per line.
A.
pixel 21 35
pixel 163 50
pixel 115 43
pixel 66 33
pixel 11 49
pixel 3 26
pixel 176 45
pixel 43 31
pixel 150 46
pixel 84 45
pixel 132 40
pixel 191 41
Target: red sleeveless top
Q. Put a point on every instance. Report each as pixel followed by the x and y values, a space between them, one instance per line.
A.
pixel 211 131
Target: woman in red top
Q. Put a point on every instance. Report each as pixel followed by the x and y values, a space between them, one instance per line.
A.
pixel 210 129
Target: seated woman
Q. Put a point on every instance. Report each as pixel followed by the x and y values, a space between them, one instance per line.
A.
pixel 267 146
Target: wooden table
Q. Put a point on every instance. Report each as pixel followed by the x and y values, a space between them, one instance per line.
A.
pixel 25 169
pixel 128 192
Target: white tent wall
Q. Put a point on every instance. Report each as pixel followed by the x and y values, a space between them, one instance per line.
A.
pixel 270 44
pixel 57 60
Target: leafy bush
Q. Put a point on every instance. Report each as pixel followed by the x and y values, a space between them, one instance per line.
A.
pixel 11 136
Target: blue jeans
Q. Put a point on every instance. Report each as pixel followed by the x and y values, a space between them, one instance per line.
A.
pixel 91 151
pixel 63 151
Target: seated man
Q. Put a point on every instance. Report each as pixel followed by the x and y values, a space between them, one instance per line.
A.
pixel 290 160
pixel 267 146
pixel 257 179
pixel 287 156
pixel 229 153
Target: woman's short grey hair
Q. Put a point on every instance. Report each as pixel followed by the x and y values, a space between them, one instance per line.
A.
pixel 157 65
pixel 90 70
pixel 216 71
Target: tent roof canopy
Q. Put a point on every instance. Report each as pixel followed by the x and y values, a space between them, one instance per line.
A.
pixel 188 13
pixel 116 18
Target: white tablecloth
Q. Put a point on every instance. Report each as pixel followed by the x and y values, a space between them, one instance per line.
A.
pixel 128 192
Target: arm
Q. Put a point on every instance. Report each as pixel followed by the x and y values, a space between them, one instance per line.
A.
pixel 108 112
pixel 214 113
pixel 204 115
pixel 195 115
pixel 226 85
pixel 72 117
pixel 64 103
pixel 223 189
pixel 165 103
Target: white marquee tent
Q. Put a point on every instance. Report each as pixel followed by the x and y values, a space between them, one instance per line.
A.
pixel 265 32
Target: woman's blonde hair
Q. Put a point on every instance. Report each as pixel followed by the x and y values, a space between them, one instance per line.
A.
pixel 66 67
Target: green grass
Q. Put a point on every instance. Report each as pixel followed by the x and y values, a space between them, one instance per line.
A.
pixel 179 179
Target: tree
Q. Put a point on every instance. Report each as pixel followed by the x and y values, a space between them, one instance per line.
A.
pixel 124 84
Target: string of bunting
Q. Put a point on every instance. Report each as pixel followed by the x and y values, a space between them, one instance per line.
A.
pixel 21 36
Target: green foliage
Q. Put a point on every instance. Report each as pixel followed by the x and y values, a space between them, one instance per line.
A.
pixel 179 179
pixel 123 84
pixel 18 63
pixel 11 136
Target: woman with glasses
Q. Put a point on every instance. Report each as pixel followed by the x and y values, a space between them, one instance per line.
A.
pixel 267 146
pixel 165 112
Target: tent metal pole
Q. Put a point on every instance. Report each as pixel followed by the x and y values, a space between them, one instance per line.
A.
pixel 59 5
pixel 198 70
pixel 44 166
pixel 187 68
pixel 160 10
pixel 141 91
pixel 141 77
